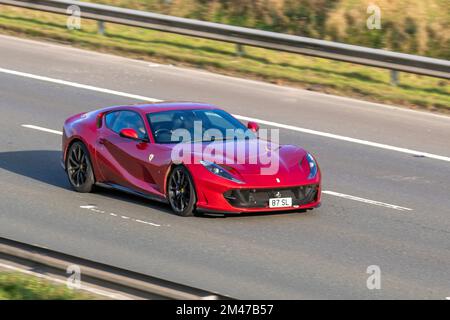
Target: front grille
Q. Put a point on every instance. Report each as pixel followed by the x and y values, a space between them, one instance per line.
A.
pixel 259 198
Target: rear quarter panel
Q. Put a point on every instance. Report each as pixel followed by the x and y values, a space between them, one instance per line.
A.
pixel 81 127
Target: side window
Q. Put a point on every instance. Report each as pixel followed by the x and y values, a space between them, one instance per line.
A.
pixel 110 118
pixel 118 120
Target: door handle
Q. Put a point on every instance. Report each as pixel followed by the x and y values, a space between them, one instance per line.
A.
pixel 101 141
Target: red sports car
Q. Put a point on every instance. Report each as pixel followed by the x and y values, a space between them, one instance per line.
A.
pixel 196 157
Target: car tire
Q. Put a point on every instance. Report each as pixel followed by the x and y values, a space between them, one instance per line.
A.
pixel 79 168
pixel 181 191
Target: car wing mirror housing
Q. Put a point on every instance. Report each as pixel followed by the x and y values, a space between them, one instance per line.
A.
pixel 129 133
pixel 253 126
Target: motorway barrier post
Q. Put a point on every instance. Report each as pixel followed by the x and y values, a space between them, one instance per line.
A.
pixel 240 51
pixel 101 27
pixel 394 77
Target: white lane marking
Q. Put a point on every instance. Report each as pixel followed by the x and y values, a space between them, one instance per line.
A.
pixel 29 126
pixel 150 223
pixel 88 207
pixel 94 209
pixel 77 85
pixel 90 289
pixel 242 80
pixel 376 203
pixel 270 123
pixel 348 139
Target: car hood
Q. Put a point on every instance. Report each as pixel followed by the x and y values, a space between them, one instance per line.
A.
pixel 255 157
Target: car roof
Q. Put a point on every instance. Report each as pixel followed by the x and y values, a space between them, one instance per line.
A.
pixel 163 106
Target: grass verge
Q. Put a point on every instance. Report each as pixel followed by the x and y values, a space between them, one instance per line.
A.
pixel 17 286
pixel 314 74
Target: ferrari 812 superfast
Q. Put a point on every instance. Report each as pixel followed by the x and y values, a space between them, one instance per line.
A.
pixel 195 157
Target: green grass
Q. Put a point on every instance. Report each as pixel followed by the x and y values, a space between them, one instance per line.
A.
pixel 282 68
pixel 16 286
pixel 416 27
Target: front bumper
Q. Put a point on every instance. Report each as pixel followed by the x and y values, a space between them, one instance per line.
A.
pixel 251 198
pixel 218 195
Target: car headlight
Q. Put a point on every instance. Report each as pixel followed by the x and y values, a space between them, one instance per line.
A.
pixel 312 164
pixel 219 171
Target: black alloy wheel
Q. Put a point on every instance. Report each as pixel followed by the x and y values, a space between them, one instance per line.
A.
pixel 79 168
pixel 181 192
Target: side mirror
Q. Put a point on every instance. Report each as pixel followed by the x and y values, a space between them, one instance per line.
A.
pixel 129 133
pixel 253 126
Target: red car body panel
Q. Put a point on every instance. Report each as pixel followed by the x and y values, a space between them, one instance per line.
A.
pixel 124 163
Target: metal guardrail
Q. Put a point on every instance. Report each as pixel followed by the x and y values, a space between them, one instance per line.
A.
pixel 122 280
pixel 246 36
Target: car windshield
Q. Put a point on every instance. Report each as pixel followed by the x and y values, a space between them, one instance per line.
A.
pixel 202 125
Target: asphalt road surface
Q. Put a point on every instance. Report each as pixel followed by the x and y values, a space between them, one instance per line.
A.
pixel 386 176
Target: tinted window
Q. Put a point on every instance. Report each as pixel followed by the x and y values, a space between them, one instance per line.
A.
pixel 110 118
pixel 118 120
pixel 163 124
